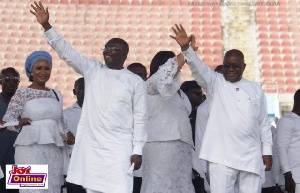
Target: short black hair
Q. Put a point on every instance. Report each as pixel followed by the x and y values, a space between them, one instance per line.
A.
pixel 234 52
pixel 219 68
pixel 122 42
pixel 297 97
pixel 78 81
pixel 159 59
pixel 10 70
pixel 135 65
pixel 189 85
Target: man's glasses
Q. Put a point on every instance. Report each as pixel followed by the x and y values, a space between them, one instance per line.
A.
pixel 233 66
pixel 8 79
pixel 110 48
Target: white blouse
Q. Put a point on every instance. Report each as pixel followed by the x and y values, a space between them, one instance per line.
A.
pixel 168 111
pixel 45 111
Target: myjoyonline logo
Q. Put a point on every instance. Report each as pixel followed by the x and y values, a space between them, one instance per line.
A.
pixel 27 177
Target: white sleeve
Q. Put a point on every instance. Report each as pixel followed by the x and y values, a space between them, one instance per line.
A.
pixel 14 109
pixel 265 127
pixel 71 56
pixel 284 135
pixel 61 123
pixel 166 81
pixel 204 76
pixel 275 166
pixel 139 118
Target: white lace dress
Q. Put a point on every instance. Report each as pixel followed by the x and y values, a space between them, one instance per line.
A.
pixel 167 161
pixel 40 142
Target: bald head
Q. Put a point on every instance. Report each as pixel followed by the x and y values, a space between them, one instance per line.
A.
pixel 236 53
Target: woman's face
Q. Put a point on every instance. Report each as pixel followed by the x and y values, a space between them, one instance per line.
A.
pixel 41 71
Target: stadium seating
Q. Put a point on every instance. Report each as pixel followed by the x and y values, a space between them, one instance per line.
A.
pixel 277 30
pixel 88 24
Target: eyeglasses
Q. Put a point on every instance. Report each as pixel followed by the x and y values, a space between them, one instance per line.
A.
pixel 110 48
pixel 7 79
pixel 233 66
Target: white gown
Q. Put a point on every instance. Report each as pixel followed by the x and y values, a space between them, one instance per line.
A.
pixel 40 142
pixel 167 161
pixel 112 125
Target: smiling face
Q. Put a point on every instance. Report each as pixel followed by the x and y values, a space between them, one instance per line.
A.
pixel 41 71
pixel 233 65
pixel 115 53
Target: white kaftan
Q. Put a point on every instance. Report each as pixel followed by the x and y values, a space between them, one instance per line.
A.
pixel 167 164
pixel 238 129
pixel 112 123
pixel 288 139
pixel 39 142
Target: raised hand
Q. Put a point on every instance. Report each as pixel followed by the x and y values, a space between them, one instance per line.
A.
pixel 41 14
pixel 181 37
pixel 193 42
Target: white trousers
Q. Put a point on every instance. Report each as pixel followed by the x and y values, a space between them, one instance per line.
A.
pixel 228 180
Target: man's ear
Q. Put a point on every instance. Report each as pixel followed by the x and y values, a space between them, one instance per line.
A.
pixel 74 92
pixel 124 56
pixel 244 66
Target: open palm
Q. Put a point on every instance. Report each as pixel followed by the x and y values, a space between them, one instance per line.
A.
pixel 41 14
pixel 180 36
pixel 183 39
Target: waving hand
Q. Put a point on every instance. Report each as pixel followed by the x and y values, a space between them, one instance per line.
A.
pixel 41 14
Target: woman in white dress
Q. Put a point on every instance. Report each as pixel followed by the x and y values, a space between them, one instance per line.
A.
pixel 167 161
pixel 40 108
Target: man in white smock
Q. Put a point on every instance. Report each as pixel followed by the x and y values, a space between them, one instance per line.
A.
pixel 111 132
pixel 237 140
pixel 288 139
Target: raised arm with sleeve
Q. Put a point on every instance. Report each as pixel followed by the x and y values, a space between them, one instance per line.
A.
pixel 166 81
pixel 71 56
pixel 64 50
pixel 204 76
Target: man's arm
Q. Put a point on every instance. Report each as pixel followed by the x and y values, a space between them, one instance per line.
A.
pixel 202 74
pixel 139 125
pixel 71 56
pixel 284 136
pixel 265 133
pixel 166 81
